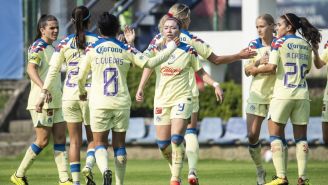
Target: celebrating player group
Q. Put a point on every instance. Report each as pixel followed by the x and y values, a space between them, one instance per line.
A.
pixel 95 92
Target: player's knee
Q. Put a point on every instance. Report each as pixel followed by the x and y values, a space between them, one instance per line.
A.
pixel 42 143
pixel 120 155
pixel 177 139
pixel 252 139
pixel 163 144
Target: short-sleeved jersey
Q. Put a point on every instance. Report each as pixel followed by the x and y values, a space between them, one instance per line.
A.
pixel 324 57
pixel 110 61
pixel 67 52
pixel 262 84
pixel 40 54
pixel 173 76
pixel 293 57
pixel 202 48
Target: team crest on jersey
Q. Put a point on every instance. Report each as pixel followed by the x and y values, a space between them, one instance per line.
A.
pixel 324 108
pixel 158 110
pixel 171 59
pixel 252 107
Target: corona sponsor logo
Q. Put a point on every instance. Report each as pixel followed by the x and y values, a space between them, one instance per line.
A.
pixel 297 46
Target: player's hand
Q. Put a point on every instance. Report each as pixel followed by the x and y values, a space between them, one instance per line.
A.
pixel 139 96
pixel 247 53
pixel 39 105
pixel 252 70
pixel 129 34
pixel 48 97
pixel 265 59
pixel 83 97
pixel 120 37
pixel 219 94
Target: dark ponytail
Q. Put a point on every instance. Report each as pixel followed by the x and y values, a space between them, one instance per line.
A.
pixel 80 18
pixel 308 31
pixel 108 24
pixel 42 23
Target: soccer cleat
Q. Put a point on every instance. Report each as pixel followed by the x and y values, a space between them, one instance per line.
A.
pixel 18 180
pixel 107 177
pixel 175 183
pixel 68 182
pixel 278 181
pixel 300 181
pixel 192 178
pixel 88 176
pixel 261 177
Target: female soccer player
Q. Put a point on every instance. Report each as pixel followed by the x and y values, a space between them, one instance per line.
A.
pixel 290 59
pixel 173 95
pixel 260 90
pixel 182 12
pixel 319 62
pixel 110 102
pixel 50 121
pixel 71 51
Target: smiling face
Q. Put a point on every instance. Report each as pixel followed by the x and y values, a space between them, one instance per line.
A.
pixel 264 30
pixel 171 29
pixel 282 28
pixel 50 31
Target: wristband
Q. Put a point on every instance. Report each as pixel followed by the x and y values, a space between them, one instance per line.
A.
pixel 215 84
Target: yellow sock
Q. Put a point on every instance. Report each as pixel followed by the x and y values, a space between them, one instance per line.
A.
pixel 255 152
pixel 90 159
pixel 177 161
pixel 28 159
pixel 61 161
pixel 278 157
pixel 75 171
pixel 192 150
pixel 286 155
pixel 302 152
pixel 101 158
pixel 166 150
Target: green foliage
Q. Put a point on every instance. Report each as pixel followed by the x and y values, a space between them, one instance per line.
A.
pixel 209 107
pixel 3 100
pixel 231 106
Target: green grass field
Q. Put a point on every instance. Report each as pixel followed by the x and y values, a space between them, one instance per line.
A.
pixel 155 172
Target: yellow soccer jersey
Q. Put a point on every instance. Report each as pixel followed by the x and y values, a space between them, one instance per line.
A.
pixel 262 84
pixel 293 57
pixel 40 53
pixel 173 76
pixel 324 57
pixel 67 52
pixel 203 49
pixel 110 61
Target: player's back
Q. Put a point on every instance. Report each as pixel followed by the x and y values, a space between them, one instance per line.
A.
pixel 294 56
pixel 68 52
pixel 109 68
